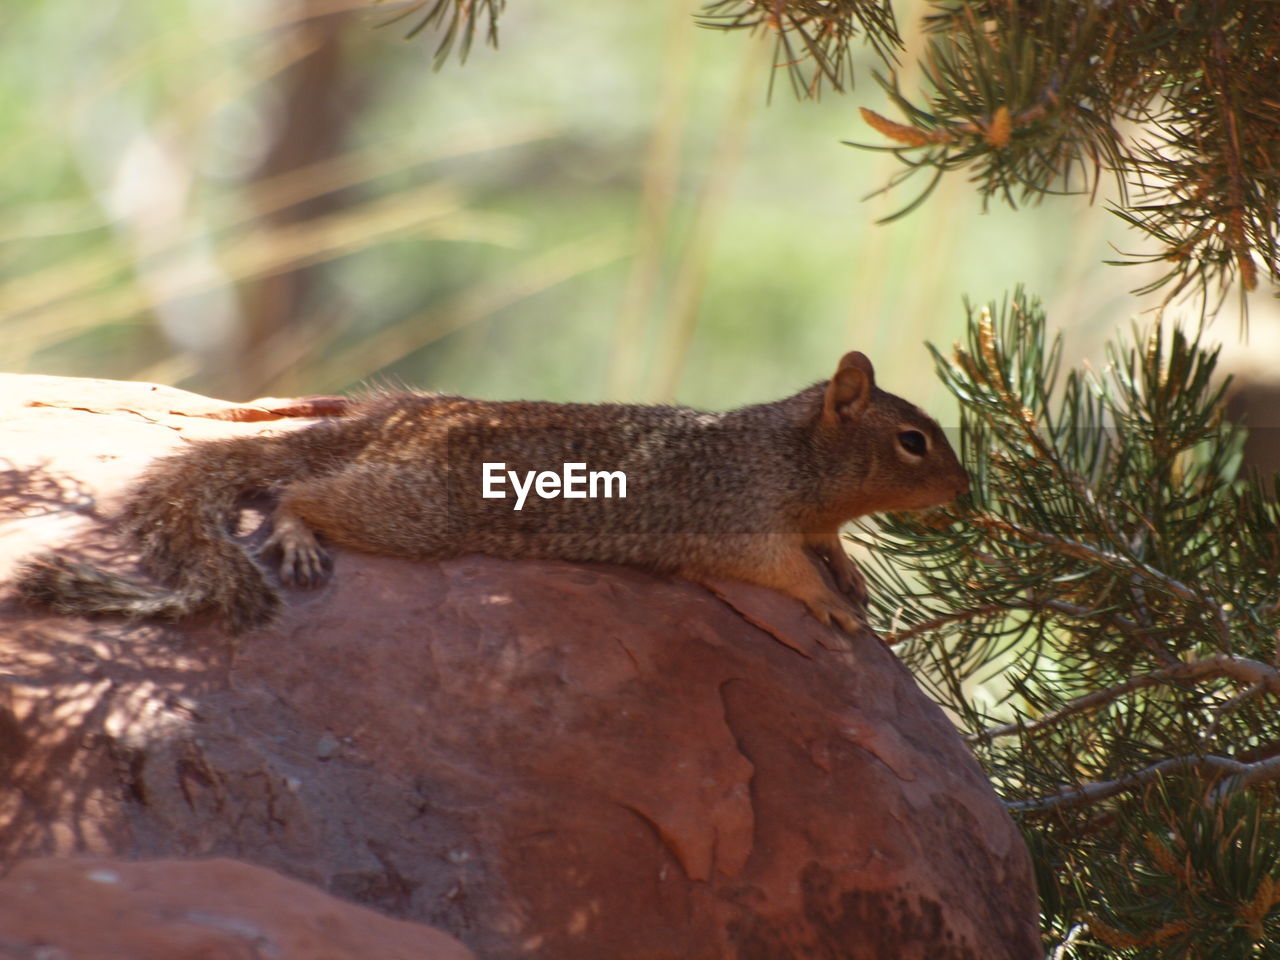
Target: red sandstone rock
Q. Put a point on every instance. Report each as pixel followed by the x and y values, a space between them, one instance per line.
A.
pixel 546 760
pixel 95 909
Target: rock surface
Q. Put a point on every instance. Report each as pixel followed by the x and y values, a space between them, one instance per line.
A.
pixel 543 759
pixel 78 908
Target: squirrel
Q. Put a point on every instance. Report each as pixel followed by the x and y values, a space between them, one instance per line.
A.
pixel 756 494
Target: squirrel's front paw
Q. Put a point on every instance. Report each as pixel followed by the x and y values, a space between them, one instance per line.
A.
pixel 848 578
pixel 836 612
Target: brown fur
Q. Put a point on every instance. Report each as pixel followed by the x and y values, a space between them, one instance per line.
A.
pixel 756 494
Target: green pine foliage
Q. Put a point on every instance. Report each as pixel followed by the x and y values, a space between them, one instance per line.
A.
pixel 1102 618
pixel 1177 103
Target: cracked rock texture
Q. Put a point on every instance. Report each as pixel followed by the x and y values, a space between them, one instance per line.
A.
pixel 544 760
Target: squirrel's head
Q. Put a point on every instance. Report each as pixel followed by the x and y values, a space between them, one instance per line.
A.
pixel 898 457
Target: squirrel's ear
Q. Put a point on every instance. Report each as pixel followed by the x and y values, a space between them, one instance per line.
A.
pixel 850 388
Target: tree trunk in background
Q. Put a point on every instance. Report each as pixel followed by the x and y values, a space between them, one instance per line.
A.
pixel 318 99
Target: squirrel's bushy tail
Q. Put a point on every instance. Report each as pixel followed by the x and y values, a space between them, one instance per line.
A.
pixel 70 586
pixel 178 514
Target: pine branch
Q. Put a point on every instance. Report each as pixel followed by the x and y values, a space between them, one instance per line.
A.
pixel 1258 675
pixel 813 37
pixel 1238 776
pixel 896 637
pixel 1040 97
pixel 1083 551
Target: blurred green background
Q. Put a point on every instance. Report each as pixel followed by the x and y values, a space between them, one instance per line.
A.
pixel 275 197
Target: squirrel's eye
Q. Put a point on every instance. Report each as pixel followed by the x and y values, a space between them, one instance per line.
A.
pixel 913 442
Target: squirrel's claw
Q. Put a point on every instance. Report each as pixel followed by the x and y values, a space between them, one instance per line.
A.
pixel 303 562
pixel 304 566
